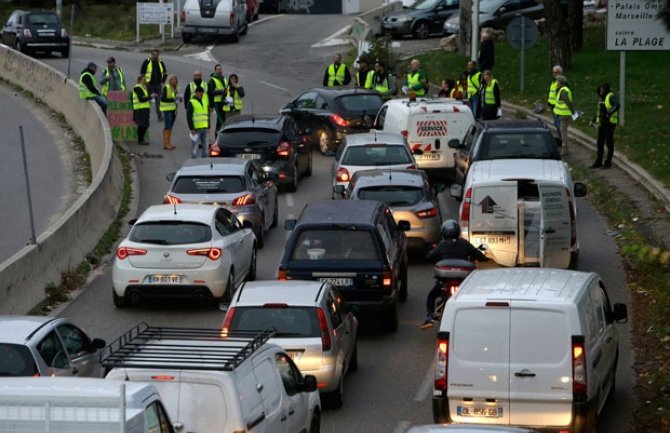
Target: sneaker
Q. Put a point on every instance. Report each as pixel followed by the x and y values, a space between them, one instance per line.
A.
pixel 428 323
pixel 595 165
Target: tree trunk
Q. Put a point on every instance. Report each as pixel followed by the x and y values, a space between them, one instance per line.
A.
pixel 465 31
pixel 558 32
pixel 576 23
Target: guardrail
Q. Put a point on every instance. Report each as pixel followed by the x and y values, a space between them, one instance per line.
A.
pixel 65 243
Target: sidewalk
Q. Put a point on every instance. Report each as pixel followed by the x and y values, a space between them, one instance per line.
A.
pixel 144 45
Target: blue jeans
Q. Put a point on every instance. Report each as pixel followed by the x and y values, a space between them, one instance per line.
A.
pixel 102 102
pixel 557 124
pixel 169 118
pixel 200 140
pixel 475 106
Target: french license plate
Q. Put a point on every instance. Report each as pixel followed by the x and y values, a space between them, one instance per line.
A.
pixel 341 282
pixel 428 157
pixel 249 155
pixel 207 30
pixel 479 411
pixel 494 240
pixel 165 279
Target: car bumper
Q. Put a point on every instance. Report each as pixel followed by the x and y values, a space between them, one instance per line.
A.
pixel 211 281
pixel 207 30
pixel 397 28
pixel 52 45
pixel 327 377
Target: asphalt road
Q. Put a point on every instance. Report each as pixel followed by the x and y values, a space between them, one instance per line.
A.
pixel 392 387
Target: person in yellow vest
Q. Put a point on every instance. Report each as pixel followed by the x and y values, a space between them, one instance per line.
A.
pixel 417 80
pixel 447 88
pixel 364 74
pixel 168 107
pixel 155 73
pixel 337 73
pixel 383 83
pixel 87 88
pixel 197 116
pixel 189 92
pixel 234 103
pixel 474 89
pixel 551 98
pixel 491 104
pixel 564 109
pixel 112 78
pixel 141 108
pixel 462 84
pixel 218 90
pixel 606 119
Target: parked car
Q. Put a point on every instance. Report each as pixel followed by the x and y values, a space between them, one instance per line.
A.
pixel 330 114
pixel 227 18
pixel 410 197
pixel 276 143
pixel 185 250
pixel 36 31
pixel 357 247
pixel 367 151
pixel 497 14
pixel 47 346
pixel 312 322
pixel 239 185
pixel 421 19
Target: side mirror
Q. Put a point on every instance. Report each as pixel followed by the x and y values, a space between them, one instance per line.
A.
pixel 417 151
pixel 170 177
pixel 620 313
pixel 290 224
pixel 456 191
pixel 339 190
pixel 439 188
pixel 98 343
pixel 247 224
pixel 580 189
pixel 132 222
pixel 404 225
pixel 454 143
pixel 308 384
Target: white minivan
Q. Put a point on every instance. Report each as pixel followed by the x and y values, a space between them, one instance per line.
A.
pixel 214 18
pixel 427 125
pixel 535 348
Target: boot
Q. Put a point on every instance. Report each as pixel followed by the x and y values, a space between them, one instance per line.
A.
pixel 166 140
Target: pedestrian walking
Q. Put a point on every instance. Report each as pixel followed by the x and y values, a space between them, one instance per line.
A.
pixel 417 80
pixel 234 103
pixel 189 92
pixel 564 109
pixel 112 78
pixel 551 98
pixel 218 90
pixel 607 118
pixel 197 116
pixel 155 74
pixel 141 108
pixel 88 89
pixel 364 74
pixel 383 83
pixel 168 107
pixel 337 73
pixel 487 52
pixel 474 88
pixel 491 104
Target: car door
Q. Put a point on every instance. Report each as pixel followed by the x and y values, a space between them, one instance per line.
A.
pixel 54 356
pixel 295 408
pixel 271 390
pixel 555 230
pixel 299 148
pixel 82 355
pixel 9 32
pixel 259 187
pixel 462 154
pixel 301 110
pixel 233 242
pixel 341 334
pixel 443 11
pixel 604 350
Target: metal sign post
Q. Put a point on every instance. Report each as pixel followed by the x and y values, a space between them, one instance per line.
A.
pixel 33 238
pixel 522 34
pixel 474 43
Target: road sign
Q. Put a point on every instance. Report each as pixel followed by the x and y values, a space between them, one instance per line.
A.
pixel 522 33
pixel 634 25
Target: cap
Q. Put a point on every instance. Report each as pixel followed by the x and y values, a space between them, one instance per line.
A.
pixel 92 65
pixel 111 59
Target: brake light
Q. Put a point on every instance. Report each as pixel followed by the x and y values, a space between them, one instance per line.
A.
pixel 123 252
pixel 244 200
pixel 182 17
pixel 465 208
pixel 387 280
pixel 441 361
pixel 275 305
pixel 426 213
pixel 211 253
pixel 63 33
pixel 404 133
pixel 579 380
pixel 284 149
pixel 282 274
pixel 162 377
pixel 411 167
pixel 232 19
pixel 339 120
pixel 453 288
pixel 27 34
pixel 326 341
pixel 225 329
pixel 37 374
pixel 170 199
pixel 343 175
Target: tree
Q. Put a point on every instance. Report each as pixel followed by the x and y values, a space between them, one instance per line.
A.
pixel 465 30
pixel 558 32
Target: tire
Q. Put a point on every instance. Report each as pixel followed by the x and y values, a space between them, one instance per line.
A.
pixel 119 301
pixel 308 172
pixel 353 364
pixel 275 216
pixel 574 260
pixel 230 288
pixel 186 38
pixel 392 318
pixel 336 398
pixel 421 30
pixel 251 275
pixel 65 52
pixel 315 424
pixel 245 29
pixel 293 186
pixel 325 140
pixel 260 236
pixel 236 36
pixel 403 286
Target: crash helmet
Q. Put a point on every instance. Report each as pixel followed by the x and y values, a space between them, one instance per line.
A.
pixel 450 229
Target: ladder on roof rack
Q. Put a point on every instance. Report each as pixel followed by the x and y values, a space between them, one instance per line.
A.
pixel 147 346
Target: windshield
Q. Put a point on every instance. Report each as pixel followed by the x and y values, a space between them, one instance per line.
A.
pixel 517 145
pixel 41 19
pixel 489 6
pixel 287 321
pixel 252 137
pixel 170 233
pixel 392 195
pixel 376 155
pixel 335 244
pixel 208 184
pixel 426 4
pixel 360 103
pixel 16 360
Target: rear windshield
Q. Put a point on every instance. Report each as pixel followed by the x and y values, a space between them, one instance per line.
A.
pixel 16 360
pixel 362 103
pixel 238 137
pixel 170 233
pixel 208 184
pixel 515 145
pixel 373 155
pixel 335 244
pixel 41 19
pixel 287 321
pixel 392 195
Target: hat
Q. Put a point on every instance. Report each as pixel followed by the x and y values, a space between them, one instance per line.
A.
pixel 111 59
pixel 91 65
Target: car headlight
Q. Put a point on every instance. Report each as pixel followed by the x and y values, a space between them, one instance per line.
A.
pixel 403 19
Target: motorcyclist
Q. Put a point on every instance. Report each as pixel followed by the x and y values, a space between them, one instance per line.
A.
pixel 452 246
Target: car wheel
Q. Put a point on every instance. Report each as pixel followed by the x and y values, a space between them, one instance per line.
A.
pixel 421 30
pixel 186 38
pixel 403 285
pixel 325 140
pixel 230 288
pixel 119 301
pixel 275 216
pixel 308 172
pixel 315 424
pixel 236 36
pixel 245 29
pixel 293 185
pixel 574 260
pixel 65 52
pixel 336 398
pixel 392 318
pixel 353 364
pixel 260 236
pixel 251 275
pixel 19 47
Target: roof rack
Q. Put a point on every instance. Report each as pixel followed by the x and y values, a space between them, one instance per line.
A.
pixel 147 346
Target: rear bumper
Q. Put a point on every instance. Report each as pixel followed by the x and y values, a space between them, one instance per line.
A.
pixel 50 45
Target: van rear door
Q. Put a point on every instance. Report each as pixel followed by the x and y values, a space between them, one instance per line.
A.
pixel 428 133
pixel 555 230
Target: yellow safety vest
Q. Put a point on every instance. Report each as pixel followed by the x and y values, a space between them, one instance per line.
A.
pixel 368 79
pixel 614 118
pixel 150 68
pixel 171 94
pixel 473 84
pixel 200 113
pixel 84 92
pixel 205 95
pixel 489 96
pixel 551 100
pixel 219 85
pixel 336 73
pixel 137 104
pixel 561 108
pixel 237 102
pixel 413 80
pixel 105 87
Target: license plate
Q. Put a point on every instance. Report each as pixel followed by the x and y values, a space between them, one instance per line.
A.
pixel 165 279
pixel 342 282
pixel 494 240
pixel 249 155
pixel 428 157
pixel 207 30
pixel 478 411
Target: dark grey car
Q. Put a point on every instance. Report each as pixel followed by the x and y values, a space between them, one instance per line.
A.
pixel 497 14
pixel 32 31
pixel 420 20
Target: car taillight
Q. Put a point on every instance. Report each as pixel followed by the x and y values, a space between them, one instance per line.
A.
pixel 282 274
pixel 465 210
pixel 182 17
pixel 326 342
pixel 170 199
pixel 232 19
pixel 343 175
pixel 123 252
pixel 453 287
pixel 211 253
pixel 63 33
pixel 244 200
pixel 284 149
pixel 411 167
pixel 404 133
pixel 426 213
pixel 339 120
pixel 227 321
pixel 387 281
pixel 579 383
pixel 162 377
pixel 441 361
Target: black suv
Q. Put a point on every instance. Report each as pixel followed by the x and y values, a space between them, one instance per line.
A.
pixel 355 245
pixel 31 31
pixel 498 139
pixel 274 141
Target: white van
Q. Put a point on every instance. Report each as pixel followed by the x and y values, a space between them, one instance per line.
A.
pixel 214 18
pixel 218 383
pixel 427 125
pixel 72 404
pixel 534 348
pixel 523 209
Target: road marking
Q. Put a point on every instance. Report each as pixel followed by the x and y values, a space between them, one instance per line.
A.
pixel 262 20
pixel 402 427
pixel 426 384
pixel 205 56
pixel 274 86
pixel 289 200
pixel 334 39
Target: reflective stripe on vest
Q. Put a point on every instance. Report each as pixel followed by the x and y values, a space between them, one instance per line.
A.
pixel 137 104
pixel 84 92
pixel 473 84
pixel 551 99
pixel 413 80
pixel 489 95
pixel 334 74
pixel 200 114
pixel 219 85
pixel 237 102
pixel 170 93
pixel 105 87
pixel 150 68
pixel 561 108
pixel 614 118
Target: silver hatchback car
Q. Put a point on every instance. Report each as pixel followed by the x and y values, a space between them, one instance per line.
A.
pixel 312 323
pixel 47 346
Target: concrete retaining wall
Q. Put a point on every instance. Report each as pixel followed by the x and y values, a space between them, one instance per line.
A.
pixel 65 243
pixel 374 16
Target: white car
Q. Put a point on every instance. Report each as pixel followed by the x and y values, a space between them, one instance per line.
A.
pixel 184 250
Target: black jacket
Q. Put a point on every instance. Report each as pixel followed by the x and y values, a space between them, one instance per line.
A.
pixel 455 249
pixel 486 55
pixel 156 77
pixel 90 82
